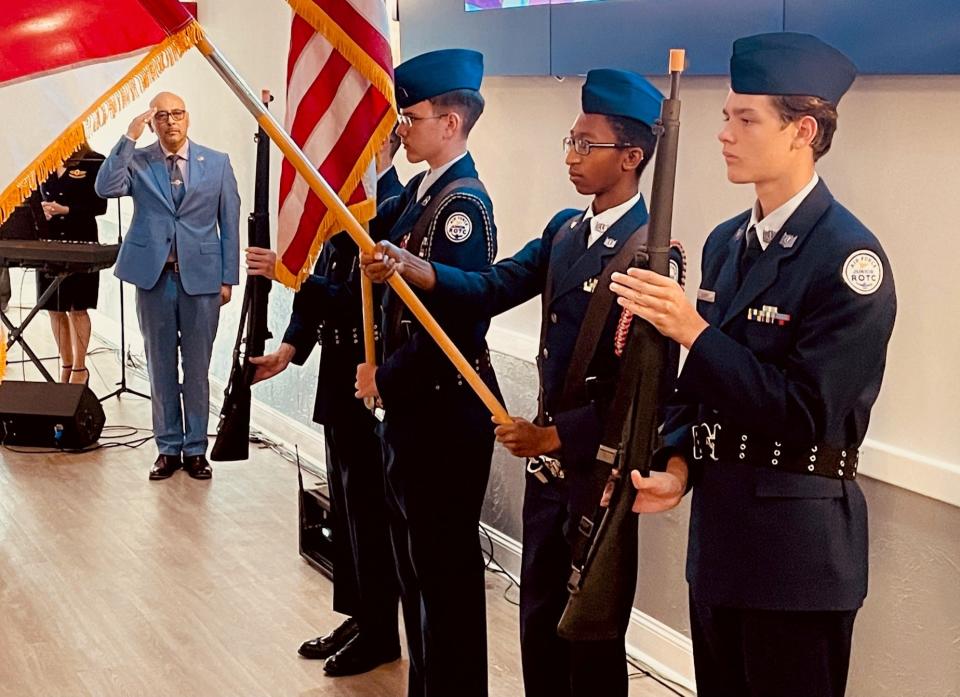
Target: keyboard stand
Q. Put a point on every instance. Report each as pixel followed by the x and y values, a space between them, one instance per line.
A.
pixel 16 333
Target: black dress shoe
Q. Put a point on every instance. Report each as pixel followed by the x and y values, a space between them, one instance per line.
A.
pixel 165 466
pixel 358 657
pixel 326 646
pixel 197 466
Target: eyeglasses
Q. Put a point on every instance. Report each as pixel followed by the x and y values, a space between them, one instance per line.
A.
pixel 173 115
pixel 582 146
pixel 409 120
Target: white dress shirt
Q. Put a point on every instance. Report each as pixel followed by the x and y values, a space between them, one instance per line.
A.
pixel 770 225
pixel 601 222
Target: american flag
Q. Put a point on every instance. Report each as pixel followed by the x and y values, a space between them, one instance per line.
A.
pixel 340 109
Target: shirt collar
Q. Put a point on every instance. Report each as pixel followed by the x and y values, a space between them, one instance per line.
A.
pixel 183 153
pixel 770 225
pixel 601 222
pixel 433 175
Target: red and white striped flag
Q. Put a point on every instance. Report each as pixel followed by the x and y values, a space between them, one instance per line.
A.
pixel 340 110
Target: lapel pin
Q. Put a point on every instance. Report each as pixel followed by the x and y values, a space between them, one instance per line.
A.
pixel 199 158
pixel 426 200
pixel 590 285
pixel 787 240
pixel 573 223
pixel 609 243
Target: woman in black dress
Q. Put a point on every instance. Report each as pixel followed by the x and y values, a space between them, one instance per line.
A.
pixel 71 205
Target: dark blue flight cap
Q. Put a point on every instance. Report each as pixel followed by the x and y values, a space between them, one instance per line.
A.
pixel 786 63
pixel 620 93
pixel 437 72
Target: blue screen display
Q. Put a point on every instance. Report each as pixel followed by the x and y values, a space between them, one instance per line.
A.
pixel 475 5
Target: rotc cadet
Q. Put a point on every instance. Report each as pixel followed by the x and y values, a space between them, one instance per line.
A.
pixel 787 349
pixel 609 145
pixel 328 308
pixel 438 432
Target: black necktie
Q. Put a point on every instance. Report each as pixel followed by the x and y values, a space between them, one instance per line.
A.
pixel 750 253
pixel 177 188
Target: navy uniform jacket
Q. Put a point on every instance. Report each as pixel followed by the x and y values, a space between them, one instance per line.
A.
pixel 759 537
pixel 513 281
pixel 413 364
pixel 328 305
pixel 75 190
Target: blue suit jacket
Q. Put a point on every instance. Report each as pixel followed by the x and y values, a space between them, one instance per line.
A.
pixel 761 537
pixel 211 202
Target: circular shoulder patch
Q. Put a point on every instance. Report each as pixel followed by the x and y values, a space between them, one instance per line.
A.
pixel 458 227
pixel 863 272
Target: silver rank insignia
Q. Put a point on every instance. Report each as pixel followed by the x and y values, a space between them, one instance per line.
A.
pixel 609 242
pixel 199 158
pixel 787 241
pixel 768 314
pixel 591 285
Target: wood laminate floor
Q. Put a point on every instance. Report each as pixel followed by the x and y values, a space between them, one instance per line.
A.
pixel 112 585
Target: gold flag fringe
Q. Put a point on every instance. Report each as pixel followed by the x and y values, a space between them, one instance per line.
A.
pixel 3 353
pixel 108 105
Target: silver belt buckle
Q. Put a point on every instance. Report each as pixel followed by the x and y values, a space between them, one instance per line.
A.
pixel 709 436
pixel 543 467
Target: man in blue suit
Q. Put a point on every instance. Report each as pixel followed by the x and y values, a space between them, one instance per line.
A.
pixel 608 148
pixel 182 253
pixel 788 344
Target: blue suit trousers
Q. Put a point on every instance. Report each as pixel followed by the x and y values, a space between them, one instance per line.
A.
pixel 175 326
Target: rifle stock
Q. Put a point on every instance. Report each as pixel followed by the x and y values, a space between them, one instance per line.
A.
pixel 603 580
pixel 233 431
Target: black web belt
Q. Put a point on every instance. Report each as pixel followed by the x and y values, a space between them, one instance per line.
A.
pixel 713 442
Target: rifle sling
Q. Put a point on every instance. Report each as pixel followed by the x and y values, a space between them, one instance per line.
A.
pixel 595 320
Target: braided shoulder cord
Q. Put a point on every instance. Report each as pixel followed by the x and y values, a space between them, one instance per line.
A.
pixel 623 326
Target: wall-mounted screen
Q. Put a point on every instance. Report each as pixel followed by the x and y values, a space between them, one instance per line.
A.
pixel 475 5
pixel 569 37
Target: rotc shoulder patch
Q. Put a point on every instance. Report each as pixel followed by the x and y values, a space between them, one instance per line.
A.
pixel 458 227
pixel 863 272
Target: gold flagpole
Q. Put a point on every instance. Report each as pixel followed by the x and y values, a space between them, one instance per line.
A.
pixel 353 228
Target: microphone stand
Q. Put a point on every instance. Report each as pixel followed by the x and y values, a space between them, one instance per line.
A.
pixel 122 385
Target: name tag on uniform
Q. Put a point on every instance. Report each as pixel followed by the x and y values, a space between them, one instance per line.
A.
pixel 768 314
pixel 590 285
pixel 707 296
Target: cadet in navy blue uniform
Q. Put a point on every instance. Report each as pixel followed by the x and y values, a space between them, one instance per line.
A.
pixel 328 308
pixel 438 433
pixel 570 265
pixel 787 343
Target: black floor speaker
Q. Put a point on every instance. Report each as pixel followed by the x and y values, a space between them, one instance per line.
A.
pixel 49 415
pixel 316 528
